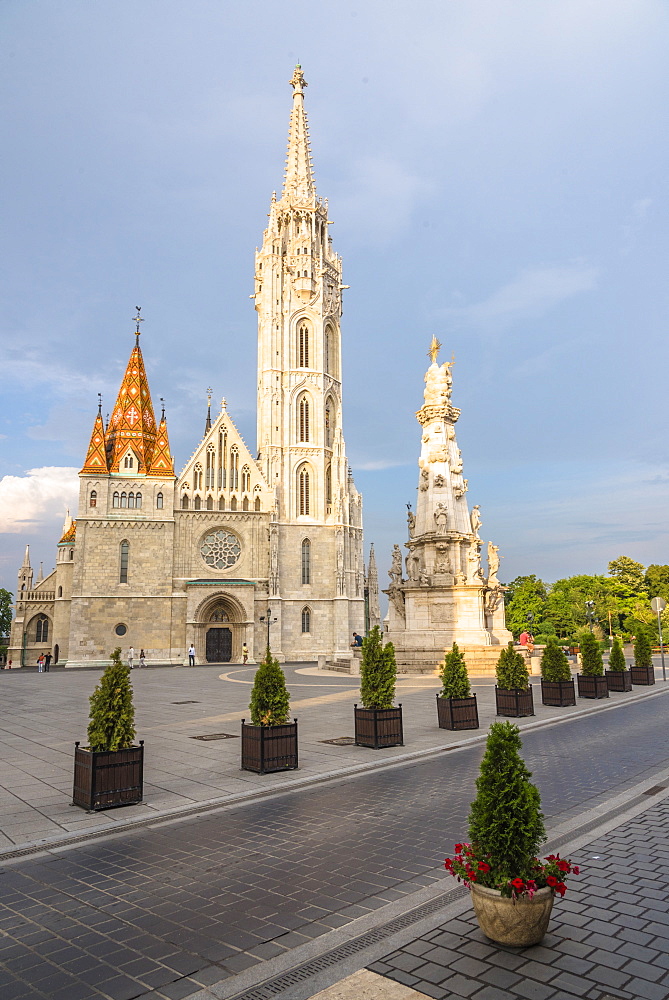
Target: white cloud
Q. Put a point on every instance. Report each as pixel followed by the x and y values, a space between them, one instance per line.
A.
pixel 40 496
pixel 532 293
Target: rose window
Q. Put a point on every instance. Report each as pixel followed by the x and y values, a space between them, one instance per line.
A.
pixel 220 549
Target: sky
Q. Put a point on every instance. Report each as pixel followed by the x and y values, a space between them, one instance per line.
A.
pixel 497 175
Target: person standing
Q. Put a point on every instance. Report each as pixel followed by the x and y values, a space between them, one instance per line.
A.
pixel 245 653
pixel 131 656
pixel 40 663
pixel 191 655
pixel 142 658
pixel 47 662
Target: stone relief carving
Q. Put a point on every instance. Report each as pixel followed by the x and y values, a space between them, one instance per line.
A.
pixel 413 566
pixel 493 599
pixel 441 519
pixel 423 578
pixel 493 564
pixel 460 489
pixel 475 519
pixel 439 481
pixel 442 564
pixel 396 597
pixel 438 383
pixel 411 520
pixel 395 571
pixel 456 468
pixel 424 480
pixel 439 454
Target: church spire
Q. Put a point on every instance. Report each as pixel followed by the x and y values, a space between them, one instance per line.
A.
pixel 96 456
pixel 162 465
pixel 131 434
pixel 299 180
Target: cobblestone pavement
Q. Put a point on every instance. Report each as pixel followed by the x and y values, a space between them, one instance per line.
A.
pixel 609 937
pixel 43 715
pixel 163 911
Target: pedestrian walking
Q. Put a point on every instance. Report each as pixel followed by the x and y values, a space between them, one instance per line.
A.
pixel 142 658
pixel 47 662
pixel 131 656
pixel 191 655
pixel 40 663
pixel 245 653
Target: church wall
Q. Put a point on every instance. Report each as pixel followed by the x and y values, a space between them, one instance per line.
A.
pixel 94 620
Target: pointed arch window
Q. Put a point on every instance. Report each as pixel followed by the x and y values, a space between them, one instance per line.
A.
pixel 129 461
pixel 210 502
pixel 246 479
pixel 303 345
pixel 328 426
pixel 222 459
pixel 306 620
pixel 257 503
pixel 197 503
pixel 138 499
pixel 210 463
pixel 42 629
pixel 116 500
pixel 328 485
pixel 306 561
pixel 221 503
pixel 159 501
pixel 124 558
pixel 303 497
pixel 234 468
pixel 131 500
pixel 185 503
pixel 124 499
pixel 197 477
pixel 93 499
pixel 303 419
pixel 233 503
pixel 245 503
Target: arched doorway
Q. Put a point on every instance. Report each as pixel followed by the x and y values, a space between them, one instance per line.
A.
pixel 218 639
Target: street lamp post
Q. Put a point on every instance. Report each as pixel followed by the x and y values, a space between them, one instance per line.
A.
pixel 658 604
pixel 590 614
pixel 268 618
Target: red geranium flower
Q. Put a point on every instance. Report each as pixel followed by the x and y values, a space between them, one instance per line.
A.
pixel 551 880
pixel 561 888
pixel 517 883
pixel 458 848
pixel 484 866
pixel 575 870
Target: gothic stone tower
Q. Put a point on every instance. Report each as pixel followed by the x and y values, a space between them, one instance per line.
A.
pixel 446 597
pixel 316 573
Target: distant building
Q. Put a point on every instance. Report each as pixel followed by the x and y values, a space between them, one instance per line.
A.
pixel 157 560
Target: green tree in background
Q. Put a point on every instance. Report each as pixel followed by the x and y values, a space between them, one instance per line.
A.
pixel 657 581
pixel 526 596
pixel 628 572
pixel 5 611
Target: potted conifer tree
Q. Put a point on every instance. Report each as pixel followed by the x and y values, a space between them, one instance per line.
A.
pixel 379 722
pixel 591 681
pixel 642 668
pixel 110 770
pixel 512 890
pixel 270 743
pixel 618 677
pixel 513 691
pixel 456 705
pixel 557 685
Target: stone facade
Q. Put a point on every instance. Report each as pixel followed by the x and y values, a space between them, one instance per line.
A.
pixel 157 561
pixel 445 596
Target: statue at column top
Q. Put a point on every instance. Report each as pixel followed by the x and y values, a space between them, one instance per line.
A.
pixel 438 379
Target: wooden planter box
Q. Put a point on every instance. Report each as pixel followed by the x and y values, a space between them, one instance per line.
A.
pixel 642 675
pixel 266 749
pixel 378 727
pixel 618 680
pixel 558 694
pixel 514 704
pixel 104 779
pixel 592 687
pixel 457 713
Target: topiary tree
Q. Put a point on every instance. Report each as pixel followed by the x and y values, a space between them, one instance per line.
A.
pixel 112 718
pixel 512 672
pixel 617 657
pixel 454 676
pixel 270 701
pixel 506 825
pixel 554 664
pixel 592 664
pixel 643 656
pixel 378 671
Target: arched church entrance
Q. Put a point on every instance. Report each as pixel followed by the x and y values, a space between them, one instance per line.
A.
pixel 221 631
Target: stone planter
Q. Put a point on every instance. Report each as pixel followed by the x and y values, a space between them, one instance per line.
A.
pixel 518 923
pixel 590 686
pixel 266 749
pixel 104 779
pixel 457 713
pixel 514 704
pixel 558 694
pixel 379 727
pixel 618 680
pixel 642 675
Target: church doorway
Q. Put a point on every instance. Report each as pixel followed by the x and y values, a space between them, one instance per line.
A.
pixel 219 645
